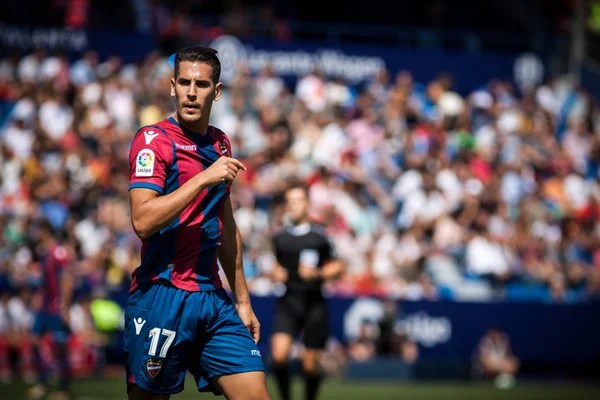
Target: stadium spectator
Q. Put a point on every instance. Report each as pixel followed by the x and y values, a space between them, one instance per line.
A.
pixel 493 359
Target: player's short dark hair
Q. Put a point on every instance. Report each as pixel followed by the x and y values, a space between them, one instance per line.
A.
pixel 203 54
pixel 46 227
pixel 297 184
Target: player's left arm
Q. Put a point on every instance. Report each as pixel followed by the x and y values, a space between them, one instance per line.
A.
pixel 230 257
pixel 66 282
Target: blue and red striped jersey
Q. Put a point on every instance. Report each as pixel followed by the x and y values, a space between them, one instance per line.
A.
pixel 53 263
pixel 163 157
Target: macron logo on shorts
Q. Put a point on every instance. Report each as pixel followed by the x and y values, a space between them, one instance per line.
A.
pixel 139 323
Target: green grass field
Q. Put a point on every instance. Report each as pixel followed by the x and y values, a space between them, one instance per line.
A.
pixel 339 390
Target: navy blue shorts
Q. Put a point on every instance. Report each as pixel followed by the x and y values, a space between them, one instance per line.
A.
pixel 169 331
pixel 53 323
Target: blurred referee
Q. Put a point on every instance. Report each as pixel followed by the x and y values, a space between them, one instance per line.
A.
pixel 305 259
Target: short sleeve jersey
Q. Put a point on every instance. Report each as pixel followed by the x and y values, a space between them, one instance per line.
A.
pixel 163 157
pixel 53 263
pixel 308 244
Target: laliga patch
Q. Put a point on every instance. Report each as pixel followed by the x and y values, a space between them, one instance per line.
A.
pixel 223 147
pixel 145 163
pixel 153 366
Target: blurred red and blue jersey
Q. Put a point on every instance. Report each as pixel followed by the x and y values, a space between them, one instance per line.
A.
pixel 53 263
pixel 162 158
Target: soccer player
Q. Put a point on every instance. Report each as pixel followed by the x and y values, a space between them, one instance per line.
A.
pixel 305 259
pixel 178 316
pixel 53 316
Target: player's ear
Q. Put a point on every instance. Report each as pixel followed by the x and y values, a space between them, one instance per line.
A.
pixel 218 90
pixel 172 86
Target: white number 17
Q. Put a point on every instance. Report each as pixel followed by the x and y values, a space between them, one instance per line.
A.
pixel 154 334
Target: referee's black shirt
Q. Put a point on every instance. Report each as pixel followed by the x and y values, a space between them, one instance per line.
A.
pixel 309 243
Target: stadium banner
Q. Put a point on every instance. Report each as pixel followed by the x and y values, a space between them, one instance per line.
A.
pixel 355 63
pixel 131 47
pixel 450 331
pixel 358 63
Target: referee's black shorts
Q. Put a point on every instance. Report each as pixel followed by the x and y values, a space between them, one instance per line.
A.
pixel 305 315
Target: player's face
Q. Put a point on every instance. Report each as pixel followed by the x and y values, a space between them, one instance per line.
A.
pixel 194 91
pixel 296 204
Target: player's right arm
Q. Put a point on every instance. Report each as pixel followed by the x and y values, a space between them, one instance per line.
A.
pixel 152 209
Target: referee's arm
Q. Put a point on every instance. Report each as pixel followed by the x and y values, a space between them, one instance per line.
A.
pixel 332 270
pixel 279 273
pixel 334 267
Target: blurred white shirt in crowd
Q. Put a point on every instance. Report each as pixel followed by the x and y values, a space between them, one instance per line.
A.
pixel 447 233
pixel 311 90
pixel 19 141
pixel 50 68
pixel 82 73
pixel 80 319
pixel 92 236
pixel 28 69
pixel 55 118
pixel 120 105
pixel 577 190
pixel 578 148
pixel 408 182
pixel 447 180
pixel 20 315
pixel 338 94
pixel 511 187
pixel 269 88
pixel 423 207
pixel 329 148
pixel 485 257
pixel 383 264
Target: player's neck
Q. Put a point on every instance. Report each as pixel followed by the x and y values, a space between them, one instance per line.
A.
pixel 200 128
pixel 301 221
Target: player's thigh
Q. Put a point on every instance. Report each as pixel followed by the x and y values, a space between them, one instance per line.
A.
pixel 281 345
pixel 159 331
pixel 316 326
pixel 225 348
pixel 60 330
pixel 244 386
pixel 40 326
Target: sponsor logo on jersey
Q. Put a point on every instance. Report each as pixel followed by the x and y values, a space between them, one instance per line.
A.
pixel 153 366
pixel 145 163
pixel 255 352
pixel 187 147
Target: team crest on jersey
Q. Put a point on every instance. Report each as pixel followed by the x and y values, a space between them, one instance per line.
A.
pixel 223 147
pixel 145 163
pixel 153 366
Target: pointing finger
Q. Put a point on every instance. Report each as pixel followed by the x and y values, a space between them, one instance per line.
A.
pixel 237 163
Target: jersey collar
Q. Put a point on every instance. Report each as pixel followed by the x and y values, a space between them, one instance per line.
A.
pixel 196 137
pixel 299 230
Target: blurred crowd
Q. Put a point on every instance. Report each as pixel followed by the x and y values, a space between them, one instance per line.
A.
pixel 426 193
